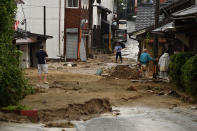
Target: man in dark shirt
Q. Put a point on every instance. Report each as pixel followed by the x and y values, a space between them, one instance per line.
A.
pixel 42 65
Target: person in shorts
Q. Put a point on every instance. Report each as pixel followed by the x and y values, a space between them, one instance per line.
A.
pixel 42 65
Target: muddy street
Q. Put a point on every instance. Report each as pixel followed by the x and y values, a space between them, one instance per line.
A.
pixel 77 94
pixel 74 93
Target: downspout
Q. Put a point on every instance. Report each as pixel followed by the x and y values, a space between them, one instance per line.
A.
pixel 65 23
pixel 60 13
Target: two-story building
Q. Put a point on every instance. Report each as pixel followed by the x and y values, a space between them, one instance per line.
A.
pixel 77 36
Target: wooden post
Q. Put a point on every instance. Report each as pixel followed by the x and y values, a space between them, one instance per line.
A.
pixel 65 32
pixel 155 71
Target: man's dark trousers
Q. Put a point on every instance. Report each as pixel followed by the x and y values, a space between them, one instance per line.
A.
pixel 120 56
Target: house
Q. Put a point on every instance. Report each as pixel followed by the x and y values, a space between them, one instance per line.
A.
pixel 145 21
pixel 71 23
pixel 185 24
pixel 146 31
pixel 145 25
pixel 180 39
pixel 77 39
pixel 44 17
pixel 101 17
pixel 27 41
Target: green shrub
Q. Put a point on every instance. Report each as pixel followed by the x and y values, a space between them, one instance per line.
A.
pixel 17 107
pixel 189 75
pixel 13 86
pixel 176 62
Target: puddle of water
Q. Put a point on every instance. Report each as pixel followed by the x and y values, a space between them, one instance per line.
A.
pixel 130 119
pixel 141 119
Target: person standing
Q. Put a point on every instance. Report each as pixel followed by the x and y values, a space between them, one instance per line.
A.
pixel 42 64
pixel 118 49
pixel 164 62
pixel 145 58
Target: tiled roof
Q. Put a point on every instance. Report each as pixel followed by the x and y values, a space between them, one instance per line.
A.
pixel 146 14
pixel 174 3
pixel 145 17
pixel 188 11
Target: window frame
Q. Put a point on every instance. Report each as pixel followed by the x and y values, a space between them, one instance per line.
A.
pixel 67 5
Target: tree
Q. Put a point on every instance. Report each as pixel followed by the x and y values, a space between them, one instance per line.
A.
pixel 13 86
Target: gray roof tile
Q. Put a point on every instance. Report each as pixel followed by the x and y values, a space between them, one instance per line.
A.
pixel 146 17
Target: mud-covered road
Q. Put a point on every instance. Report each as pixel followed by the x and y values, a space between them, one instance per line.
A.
pixel 76 93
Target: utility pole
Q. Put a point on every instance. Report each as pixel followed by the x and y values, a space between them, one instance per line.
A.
pixel 155 69
pixel 117 10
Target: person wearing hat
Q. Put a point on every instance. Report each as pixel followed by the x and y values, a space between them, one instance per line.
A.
pixel 118 49
pixel 145 58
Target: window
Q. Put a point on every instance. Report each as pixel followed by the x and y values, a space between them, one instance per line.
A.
pixel 73 3
pixel 146 1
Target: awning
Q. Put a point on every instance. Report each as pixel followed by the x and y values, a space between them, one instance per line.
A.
pixel 20 34
pixel 136 33
pixel 186 13
pixel 141 31
pixel 164 28
pixel 104 9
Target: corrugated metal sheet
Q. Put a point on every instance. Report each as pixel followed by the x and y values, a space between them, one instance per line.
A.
pixel 71 46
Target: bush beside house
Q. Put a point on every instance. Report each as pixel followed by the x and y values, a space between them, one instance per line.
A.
pixel 183 71
pixel 176 62
pixel 189 75
pixel 13 86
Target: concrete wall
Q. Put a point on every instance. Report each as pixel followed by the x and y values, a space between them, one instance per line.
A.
pixel 25 58
pixel 33 12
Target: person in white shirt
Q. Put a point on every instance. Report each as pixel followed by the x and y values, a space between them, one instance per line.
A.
pixel 164 62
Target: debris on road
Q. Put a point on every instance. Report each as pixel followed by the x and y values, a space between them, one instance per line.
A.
pixel 125 72
pixel 194 108
pixel 72 112
pixel 60 125
pixel 70 64
pixel 77 111
pixel 131 88
pixel 174 94
pixel 99 72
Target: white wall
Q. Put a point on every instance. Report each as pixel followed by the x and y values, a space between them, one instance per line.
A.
pixel 97 14
pixel 33 10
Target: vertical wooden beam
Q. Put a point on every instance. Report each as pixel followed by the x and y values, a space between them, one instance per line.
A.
pixel 65 23
pixel 157 4
pixel 60 14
